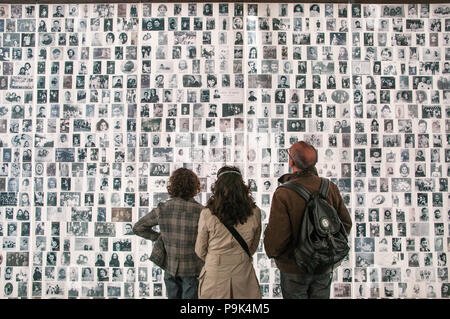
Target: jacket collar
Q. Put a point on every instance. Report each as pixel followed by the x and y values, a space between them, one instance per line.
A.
pixel 191 200
pixel 289 176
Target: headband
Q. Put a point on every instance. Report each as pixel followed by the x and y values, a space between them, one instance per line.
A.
pixel 226 172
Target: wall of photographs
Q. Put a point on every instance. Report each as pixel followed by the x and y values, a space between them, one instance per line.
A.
pixel 99 103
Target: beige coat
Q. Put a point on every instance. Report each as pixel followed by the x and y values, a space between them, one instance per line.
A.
pixel 228 271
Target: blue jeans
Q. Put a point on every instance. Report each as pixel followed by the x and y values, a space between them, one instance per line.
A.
pixel 181 287
pixel 304 286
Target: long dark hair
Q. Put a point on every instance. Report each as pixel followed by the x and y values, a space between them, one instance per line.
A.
pixel 231 201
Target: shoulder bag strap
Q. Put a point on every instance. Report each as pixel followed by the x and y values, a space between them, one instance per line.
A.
pixel 239 238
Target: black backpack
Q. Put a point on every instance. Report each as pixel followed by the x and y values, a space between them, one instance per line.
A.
pixel 322 240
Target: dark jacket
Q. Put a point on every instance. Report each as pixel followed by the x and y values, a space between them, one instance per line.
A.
pixel 178 222
pixel 286 214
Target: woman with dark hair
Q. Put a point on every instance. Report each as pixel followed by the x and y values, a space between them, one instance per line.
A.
pixel 228 271
pixel 173 249
pixel 114 262
pixel 102 125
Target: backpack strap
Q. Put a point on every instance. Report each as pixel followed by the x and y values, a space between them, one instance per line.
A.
pixel 299 189
pixel 324 187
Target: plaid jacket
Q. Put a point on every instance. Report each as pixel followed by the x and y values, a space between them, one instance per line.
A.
pixel 178 222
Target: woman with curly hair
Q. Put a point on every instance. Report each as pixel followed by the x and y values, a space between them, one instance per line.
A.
pixel 228 271
pixel 174 245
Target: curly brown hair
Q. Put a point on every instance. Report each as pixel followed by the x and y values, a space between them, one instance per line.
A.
pixel 183 183
pixel 231 200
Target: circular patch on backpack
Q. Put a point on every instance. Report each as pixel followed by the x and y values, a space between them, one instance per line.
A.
pixel 325 222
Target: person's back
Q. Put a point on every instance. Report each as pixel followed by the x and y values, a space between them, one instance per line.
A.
pixel 174 245
pixel 225 260
pixel 286 215
pixel 178 221
pixel 221 241
pixel 295 207
pixel 228 271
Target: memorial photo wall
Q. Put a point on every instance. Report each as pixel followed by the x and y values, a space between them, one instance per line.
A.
pixel 99 103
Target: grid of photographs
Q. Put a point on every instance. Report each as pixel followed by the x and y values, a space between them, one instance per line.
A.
pixel 99 103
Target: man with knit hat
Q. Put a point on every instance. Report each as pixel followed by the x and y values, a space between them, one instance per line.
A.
pixel 286 214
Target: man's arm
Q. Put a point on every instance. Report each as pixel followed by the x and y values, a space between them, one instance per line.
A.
pixel 144 226
pixel 277 235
